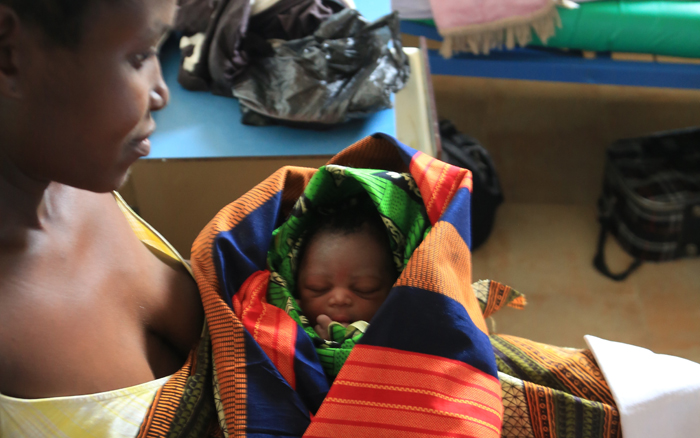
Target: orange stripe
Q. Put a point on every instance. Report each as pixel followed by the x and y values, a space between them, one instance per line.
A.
pixel 498 293
pixel 417 401
pixel 429 184
pixel 429 425
pixel 420 166
pixel 373 153
pixel 162 411
pixel 468 182
pixel 541 408
pixel 412 408
pixel 518 303
pixel 442 264
pixel 414 390
pixel 426 379
pixel 450 370
pixel 574 368
pixel 353 420
pixel 385 378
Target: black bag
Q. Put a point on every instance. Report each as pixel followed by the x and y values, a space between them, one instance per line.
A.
pixel 466 152
pixel 347 69
pixel 651 198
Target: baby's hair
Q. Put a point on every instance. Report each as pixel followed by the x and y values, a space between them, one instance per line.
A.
pixel 356 215
pixel 62 21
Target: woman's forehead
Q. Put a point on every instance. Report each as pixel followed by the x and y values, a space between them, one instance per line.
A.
pixel 115 22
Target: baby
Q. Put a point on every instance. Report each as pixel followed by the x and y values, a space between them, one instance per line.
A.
pixel 346 268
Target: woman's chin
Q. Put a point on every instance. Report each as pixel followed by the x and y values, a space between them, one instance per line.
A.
pixel 106 184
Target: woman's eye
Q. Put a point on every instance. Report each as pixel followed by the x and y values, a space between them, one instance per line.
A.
pixel 139 59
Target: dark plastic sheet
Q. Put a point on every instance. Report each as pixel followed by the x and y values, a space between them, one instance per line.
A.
pixel 347 69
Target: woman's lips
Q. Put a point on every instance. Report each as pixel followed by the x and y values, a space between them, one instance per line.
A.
pixel 142 144
pixel 142 147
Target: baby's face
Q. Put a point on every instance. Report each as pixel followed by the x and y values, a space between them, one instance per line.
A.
pixel 344 276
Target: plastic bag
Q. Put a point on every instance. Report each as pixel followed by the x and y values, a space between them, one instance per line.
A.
pixel 219 37
pixel 347 69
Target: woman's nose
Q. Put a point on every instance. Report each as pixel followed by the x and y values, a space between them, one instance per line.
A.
pixel 160 95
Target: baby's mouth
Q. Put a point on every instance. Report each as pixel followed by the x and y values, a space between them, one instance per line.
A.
pixel 343 319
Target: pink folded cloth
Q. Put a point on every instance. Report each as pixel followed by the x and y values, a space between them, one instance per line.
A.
pixel 479 26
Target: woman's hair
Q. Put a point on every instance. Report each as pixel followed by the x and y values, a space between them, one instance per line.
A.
pixel 62 21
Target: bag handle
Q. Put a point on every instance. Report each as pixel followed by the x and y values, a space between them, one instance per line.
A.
pixel 606 207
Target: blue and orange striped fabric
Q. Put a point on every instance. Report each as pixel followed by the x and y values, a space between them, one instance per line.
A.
pixel 425 367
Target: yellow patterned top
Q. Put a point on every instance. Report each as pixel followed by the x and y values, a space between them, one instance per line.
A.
pixel 111 414
pixel 150 237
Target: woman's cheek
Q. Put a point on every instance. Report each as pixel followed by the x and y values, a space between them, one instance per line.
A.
pixel 131 105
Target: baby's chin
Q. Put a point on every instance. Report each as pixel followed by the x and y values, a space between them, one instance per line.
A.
pixel 346 322
pixel 342 320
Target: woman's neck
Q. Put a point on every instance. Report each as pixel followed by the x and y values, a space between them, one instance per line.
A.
pixel 25 202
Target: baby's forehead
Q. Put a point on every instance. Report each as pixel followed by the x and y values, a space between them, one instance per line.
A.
pixel 366 231
pixel 362 247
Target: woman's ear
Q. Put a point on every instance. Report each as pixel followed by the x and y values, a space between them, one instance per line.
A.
pixel 9 68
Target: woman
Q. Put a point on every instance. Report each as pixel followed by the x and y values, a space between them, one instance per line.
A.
pixel 85 307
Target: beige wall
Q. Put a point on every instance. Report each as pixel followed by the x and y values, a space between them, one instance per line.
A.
pixel 179 197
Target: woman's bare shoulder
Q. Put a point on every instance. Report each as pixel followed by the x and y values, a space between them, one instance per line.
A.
pixel 85 307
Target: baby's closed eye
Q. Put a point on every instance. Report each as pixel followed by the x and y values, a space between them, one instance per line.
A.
pixel 316 288
pixel 364 289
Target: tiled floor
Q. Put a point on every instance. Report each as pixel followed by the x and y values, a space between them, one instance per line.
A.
pixel 548 142
pixel 545 251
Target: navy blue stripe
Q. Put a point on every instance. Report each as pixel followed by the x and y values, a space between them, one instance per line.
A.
pixel 458 213
pixel 242 251
pixel 273 407
pixel 409 314
pixel 311 382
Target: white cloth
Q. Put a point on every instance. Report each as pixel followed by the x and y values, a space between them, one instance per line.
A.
pixel 258 6
pixel 657 395
pixel 412 9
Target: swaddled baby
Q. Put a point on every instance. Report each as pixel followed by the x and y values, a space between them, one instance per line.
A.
pixel 340 250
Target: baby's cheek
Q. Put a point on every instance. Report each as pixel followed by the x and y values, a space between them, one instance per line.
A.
pixel 368 311
pixel 311 308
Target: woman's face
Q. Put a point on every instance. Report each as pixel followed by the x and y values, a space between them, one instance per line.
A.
pixel 82 116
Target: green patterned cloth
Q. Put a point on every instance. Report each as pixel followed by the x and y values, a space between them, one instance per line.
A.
pixel 400 206
pixel 334 355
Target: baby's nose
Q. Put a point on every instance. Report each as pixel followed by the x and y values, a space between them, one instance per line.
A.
pixel 340 297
